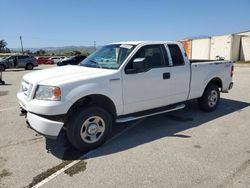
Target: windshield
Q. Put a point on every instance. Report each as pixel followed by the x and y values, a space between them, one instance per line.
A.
pixel 9 58
pixel 109 56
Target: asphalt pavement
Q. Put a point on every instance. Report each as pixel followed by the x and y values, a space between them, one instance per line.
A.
pixel 185 148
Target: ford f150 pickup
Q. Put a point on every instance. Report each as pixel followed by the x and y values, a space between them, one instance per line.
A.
pixel 120 82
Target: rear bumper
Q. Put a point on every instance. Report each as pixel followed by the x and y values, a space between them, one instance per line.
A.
pixel 46 127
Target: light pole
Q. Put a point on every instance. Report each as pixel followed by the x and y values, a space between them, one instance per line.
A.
pixel 21 43
pixel 94 45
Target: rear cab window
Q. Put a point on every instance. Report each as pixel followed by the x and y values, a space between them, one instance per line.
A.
pixel 176 55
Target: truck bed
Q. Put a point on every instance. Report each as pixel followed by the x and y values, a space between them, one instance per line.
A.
pixel 203 71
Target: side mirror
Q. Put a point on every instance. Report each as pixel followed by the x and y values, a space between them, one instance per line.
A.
pixel 138 66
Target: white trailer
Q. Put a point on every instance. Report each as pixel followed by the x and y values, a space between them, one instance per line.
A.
pixel 226 46
pixel 245 49
pixel 201 48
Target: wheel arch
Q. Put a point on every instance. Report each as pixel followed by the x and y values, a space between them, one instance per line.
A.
pixel 214 81
pixel 94 99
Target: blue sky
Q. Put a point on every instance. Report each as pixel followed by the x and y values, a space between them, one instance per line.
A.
pixel 60 23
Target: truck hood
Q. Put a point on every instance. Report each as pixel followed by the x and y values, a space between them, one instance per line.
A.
pixel 58 75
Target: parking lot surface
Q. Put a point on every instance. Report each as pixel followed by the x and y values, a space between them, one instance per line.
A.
pixel 186 148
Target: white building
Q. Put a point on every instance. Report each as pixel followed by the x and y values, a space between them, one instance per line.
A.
pixel 201 48
pixel 245 45
pixel 226 46
pixel 231 47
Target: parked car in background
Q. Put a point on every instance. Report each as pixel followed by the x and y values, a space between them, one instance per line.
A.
pixel 55 60
pixel 44 60
pixel 18 61
pixel 75 60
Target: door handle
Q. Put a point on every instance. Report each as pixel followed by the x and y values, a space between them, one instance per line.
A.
pixel 166 75
pixel 114 79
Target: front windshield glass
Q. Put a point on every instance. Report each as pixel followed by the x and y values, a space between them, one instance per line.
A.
pixel 109 56
pixel 9 58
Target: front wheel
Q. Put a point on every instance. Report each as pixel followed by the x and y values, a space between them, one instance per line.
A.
pixel 2 68
pixel 210 98
pixel 89 128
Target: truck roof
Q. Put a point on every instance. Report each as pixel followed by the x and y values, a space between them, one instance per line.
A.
pixel 145 42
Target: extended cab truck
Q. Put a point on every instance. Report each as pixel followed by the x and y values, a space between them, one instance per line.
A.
pixel 120 82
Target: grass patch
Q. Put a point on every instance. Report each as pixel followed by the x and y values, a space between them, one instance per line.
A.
pixel 242 62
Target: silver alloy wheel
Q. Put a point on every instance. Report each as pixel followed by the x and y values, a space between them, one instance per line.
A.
pixel 92 129
pixel 212 98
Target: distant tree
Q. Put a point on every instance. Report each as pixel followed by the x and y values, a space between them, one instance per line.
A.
pixel 67 53
pixel 28 52
pixel 86 53
pixel 40 52
pixel 76 52
pixel 3 46
pixel 7 50
pixel 36 53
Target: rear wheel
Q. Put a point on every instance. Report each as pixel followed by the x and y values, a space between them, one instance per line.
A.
pixel 89 128
pixel 29 66
pixel 210 98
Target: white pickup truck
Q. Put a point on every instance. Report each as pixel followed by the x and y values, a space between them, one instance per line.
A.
pixel 120 82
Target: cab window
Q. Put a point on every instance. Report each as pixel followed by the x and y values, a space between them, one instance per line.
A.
pixel 176 55
pixel 153 57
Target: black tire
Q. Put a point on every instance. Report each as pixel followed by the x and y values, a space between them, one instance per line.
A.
pixel 60 63
pixel 29 66
pixel 210 98
pixel 80 123
pixel 2 68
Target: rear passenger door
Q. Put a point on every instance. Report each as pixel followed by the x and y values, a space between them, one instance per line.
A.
pixel 150 88
pixel 22 61
pixel 180 74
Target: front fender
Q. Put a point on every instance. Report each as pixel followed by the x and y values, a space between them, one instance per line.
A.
pixel 87 89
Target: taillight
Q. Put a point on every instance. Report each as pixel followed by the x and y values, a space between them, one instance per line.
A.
pixel 232 71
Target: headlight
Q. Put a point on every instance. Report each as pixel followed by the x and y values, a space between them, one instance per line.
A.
pixel 51 93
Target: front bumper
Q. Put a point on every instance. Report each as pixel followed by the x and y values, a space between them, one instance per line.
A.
pixel 46 127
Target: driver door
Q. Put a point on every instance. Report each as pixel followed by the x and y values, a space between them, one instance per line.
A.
pixel 148 88
pixel 11 62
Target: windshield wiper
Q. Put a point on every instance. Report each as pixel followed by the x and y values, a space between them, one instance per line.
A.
pixel 96 63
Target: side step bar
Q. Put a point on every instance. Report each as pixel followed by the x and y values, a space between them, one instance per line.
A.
pixel 131 118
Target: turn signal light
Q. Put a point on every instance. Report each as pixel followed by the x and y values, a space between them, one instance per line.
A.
pixel 57 92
